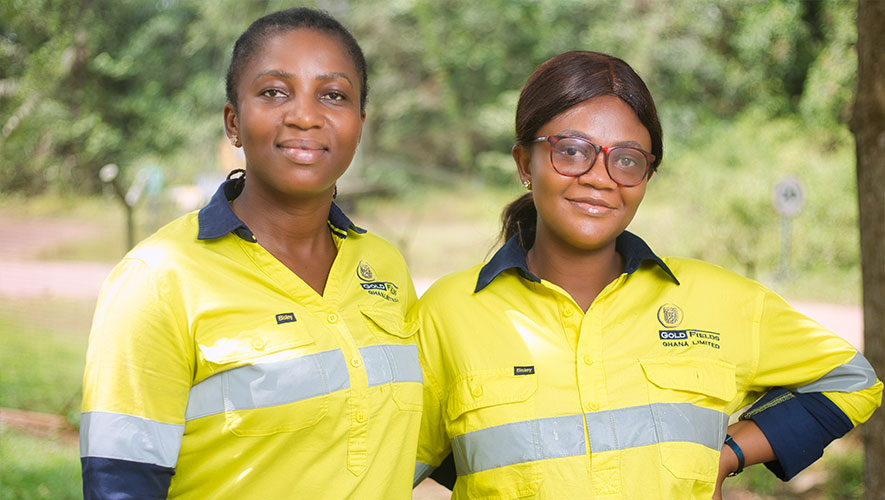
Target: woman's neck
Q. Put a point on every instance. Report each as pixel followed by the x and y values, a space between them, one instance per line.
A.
pixel 295 232
pixel 581 273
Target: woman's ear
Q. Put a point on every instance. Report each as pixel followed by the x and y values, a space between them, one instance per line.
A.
pixel 523 158
pixel 231 124
pixel 362 124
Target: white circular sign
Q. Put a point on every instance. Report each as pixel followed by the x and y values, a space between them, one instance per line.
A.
pixel 108 172
pixel 789 197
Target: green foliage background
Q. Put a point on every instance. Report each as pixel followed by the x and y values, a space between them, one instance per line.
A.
pixel 749 91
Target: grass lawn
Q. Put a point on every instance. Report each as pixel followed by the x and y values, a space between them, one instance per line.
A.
pixel 42 354
pixel 36 468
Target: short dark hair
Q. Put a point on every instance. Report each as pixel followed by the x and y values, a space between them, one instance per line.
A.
pixel 287 20
pixel 558 84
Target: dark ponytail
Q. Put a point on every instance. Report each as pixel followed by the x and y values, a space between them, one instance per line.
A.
pixel 520 217
pixel 558 84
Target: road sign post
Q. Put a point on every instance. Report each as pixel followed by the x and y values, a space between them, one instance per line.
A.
pixel 788 197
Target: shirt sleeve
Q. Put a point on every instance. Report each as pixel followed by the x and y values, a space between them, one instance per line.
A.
pixel 817 387
pixel 433 441
pixel 135 388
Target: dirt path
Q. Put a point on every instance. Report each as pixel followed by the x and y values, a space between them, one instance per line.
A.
pixel 42 425
pixel 22 275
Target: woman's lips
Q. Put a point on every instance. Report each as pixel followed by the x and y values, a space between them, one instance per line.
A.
pixel 592 206
pixel 303 152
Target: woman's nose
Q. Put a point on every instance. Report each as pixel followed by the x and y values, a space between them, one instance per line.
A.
pixel 598 176
pixel 303 112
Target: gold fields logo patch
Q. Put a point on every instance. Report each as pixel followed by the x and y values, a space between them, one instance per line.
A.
pixel 387 290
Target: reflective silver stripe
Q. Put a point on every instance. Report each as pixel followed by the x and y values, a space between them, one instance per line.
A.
pixel 656 423
pixel 518 442
pixel 854 375
pixel 421 472
pixel 391 363
pixel 609 430
pixel 126 437
pixel 269 384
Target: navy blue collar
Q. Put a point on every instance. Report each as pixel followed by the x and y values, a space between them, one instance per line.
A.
pixel 217 218
pixel 512 255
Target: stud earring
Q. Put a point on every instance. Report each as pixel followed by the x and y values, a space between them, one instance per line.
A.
pixel 235 142
pixel 527 183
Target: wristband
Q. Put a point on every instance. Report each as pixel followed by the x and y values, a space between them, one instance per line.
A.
pixel 738 452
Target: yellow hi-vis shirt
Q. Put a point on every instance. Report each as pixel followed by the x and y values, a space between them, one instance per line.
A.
pixel 536 399
pixel 210 358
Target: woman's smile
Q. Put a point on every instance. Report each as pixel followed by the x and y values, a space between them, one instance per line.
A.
pixel 593 206
pixel 303 151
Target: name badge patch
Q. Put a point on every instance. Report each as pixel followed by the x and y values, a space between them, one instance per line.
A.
pixel 285 318
pixel 523 370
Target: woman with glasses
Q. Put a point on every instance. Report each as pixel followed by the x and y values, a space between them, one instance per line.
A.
pixel 577 363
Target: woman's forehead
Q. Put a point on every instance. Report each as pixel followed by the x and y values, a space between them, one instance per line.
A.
pixel 607 119
pixel 305 49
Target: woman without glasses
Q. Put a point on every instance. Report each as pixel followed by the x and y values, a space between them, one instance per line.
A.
pixel 257 349
pixel 576 363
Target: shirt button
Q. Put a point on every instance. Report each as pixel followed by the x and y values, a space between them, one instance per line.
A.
pixel 258 344
pixel 361 416
pixel 332 317
pixel 567 311
pixel 477 391
pixel 588 360
pixel 356 362
pixel 591 406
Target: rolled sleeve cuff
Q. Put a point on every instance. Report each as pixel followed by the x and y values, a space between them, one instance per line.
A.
pixel 798 427
pixel 108 478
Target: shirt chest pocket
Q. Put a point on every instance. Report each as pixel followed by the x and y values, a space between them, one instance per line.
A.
pixel 486 389
pixel 266 383
pixel 687 399
pixel 495 461
pixel 394 362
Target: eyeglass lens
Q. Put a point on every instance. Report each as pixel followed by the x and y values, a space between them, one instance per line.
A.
pixel 574 157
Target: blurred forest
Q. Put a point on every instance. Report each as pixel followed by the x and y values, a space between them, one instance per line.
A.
pixel 749 92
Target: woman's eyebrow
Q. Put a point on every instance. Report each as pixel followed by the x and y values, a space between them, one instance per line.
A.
pixel 273 72
pixel 578 133
pixel 286 75
pixel 334 75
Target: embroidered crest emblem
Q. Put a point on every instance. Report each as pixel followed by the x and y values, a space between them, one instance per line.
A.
pixel 365 271
pixel 371 284
pixel 670 315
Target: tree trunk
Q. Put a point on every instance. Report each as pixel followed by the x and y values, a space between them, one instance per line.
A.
pixel 868 125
